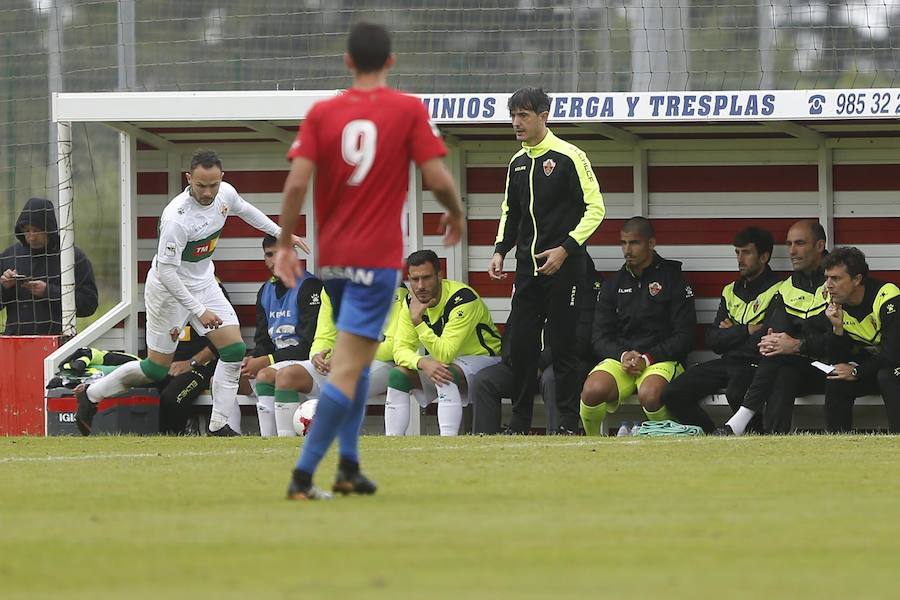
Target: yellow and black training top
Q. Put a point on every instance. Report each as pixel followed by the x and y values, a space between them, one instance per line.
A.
pixel 552 199
pixel 459 325
pixel 871 330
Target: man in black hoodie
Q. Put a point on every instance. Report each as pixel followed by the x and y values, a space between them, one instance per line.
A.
pixel 30 280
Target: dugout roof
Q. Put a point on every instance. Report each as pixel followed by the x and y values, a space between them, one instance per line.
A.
pixel 169 120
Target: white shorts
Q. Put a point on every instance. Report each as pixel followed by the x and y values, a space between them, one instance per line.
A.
pixel 378 376
pixel 469 365
pixel 166 316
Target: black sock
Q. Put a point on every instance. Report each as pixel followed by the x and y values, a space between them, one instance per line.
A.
pixel 348 466
pixel 303 479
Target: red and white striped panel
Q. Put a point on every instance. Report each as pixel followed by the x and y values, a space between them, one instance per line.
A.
pixel 696 211
pixel 238 257
pixel 696 201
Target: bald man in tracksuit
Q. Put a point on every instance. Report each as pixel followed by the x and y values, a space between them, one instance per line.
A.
pixel 551 207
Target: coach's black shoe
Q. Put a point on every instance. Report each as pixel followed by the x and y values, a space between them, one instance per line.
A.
pixel 356 483
pixel 301 489
pixel 724 430
pixel 225 431
pixel 563 430
pixel 509 430
pixel 84 415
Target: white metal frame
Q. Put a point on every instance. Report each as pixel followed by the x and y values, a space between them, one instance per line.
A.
pixel 257 110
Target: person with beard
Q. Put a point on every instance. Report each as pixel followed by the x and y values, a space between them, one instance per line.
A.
pixel 734 334
pixel 451 321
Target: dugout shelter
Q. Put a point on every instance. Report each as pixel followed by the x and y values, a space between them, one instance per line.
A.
pixel 701 165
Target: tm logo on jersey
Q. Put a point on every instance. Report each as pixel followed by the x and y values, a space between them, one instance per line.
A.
pixel 200 249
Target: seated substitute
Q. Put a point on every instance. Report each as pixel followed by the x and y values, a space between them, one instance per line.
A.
pixel 285 327
pixel 734 334
pixel 491 385
pixel 864 344
pixel 643 329
pixel 451 321
pixel 795 328
pixel 288 383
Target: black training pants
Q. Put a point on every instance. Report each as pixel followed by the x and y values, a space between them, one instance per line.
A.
pixel 490 385
pixel 682 396
pixel 550 298
pixel 841 395
pixel 777 383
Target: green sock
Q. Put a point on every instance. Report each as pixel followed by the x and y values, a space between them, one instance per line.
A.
pixel 286 396
pixel 658 415
pixel 592 418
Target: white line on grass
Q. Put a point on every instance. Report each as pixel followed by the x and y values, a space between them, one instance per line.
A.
pixel 454 447
pixel 13 459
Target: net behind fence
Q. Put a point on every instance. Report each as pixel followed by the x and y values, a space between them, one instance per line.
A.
pixel 450 46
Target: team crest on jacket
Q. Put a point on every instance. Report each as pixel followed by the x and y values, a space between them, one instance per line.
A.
pixel 549 165
pixel 175 333
pixel 756 305
pixel 655 288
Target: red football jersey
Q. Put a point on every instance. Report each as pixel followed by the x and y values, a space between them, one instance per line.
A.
pixel 362 143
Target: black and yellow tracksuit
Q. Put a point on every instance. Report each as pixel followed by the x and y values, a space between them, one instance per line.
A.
pixel 552 199
pixel 744 302
pixel 798 309
pixel 871 338
pixel 652 313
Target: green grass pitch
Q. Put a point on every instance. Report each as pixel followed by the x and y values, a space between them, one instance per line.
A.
pixel 470 517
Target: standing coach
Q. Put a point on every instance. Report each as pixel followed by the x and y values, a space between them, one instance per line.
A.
pixel 551 206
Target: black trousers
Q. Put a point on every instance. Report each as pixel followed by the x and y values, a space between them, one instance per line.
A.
pixel 177 395
pixel 682 396
pixel 488 388
pixel 777 383
pixel 550 298
pixel 841 395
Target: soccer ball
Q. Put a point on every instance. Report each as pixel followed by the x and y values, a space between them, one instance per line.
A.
pixel 303 416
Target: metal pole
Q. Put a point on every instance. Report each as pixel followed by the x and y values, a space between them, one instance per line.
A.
pixel 125 48
pixel 54 85
pixel 66 193
pixel 128 240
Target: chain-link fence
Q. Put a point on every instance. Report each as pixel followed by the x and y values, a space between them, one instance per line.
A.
pixel 454 45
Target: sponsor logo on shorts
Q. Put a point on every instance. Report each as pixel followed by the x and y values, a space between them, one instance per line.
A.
pixel 354 274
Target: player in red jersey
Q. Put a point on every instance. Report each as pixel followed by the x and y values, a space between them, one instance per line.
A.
pixel 359 144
